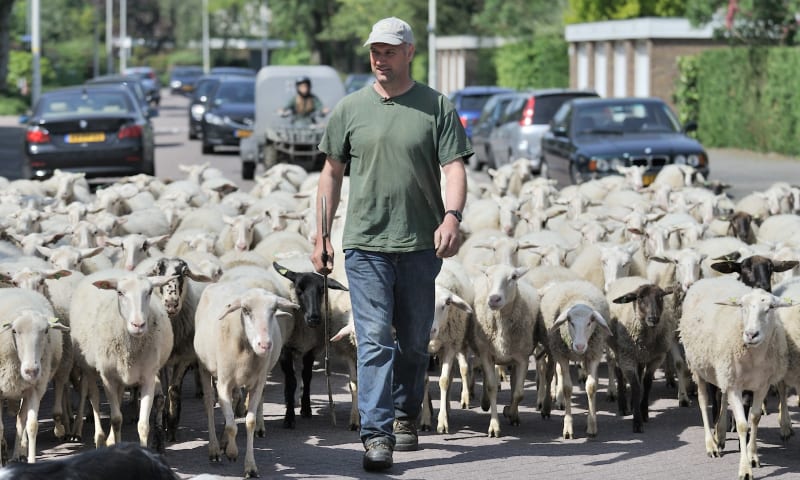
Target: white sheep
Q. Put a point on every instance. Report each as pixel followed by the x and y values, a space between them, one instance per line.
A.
pixel 122 334
pixel 784 228
pixel 733 339
pixel 506 312
pixel 575 314
pixel 642 334
pixel 30 350
pixel 238 341
pixel 602 263
pixel 790 317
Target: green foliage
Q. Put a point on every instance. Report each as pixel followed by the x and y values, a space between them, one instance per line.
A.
pixel 754 106
pixel 538 63
pixel 20 69
pixel 13 104
pixel 580 11
pixel 757 22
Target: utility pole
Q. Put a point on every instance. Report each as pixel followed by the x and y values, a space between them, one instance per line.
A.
pixel 206 48
pixel 123 35
pixel 109 36
pixel 265 14
pixel 432 71
pixel 36 52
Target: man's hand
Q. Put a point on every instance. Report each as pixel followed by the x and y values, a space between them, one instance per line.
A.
pixel 323 268
pixel 446 238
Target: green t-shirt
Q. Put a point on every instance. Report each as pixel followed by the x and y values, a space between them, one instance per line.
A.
pixel 395 148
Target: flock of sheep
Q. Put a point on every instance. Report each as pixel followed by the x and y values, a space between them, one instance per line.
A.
pixel 135 284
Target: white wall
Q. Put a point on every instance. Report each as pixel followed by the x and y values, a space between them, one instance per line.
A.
pixel 582 67
pixel 601 69
pixel 641 86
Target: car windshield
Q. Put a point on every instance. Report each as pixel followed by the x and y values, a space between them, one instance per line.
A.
pixel 625 118
pixel 68 104
pixel 474 103
pixel 235 92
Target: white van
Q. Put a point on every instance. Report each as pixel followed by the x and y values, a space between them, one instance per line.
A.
pixel 276 138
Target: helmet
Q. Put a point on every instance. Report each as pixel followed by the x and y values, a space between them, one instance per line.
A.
pixel 303 79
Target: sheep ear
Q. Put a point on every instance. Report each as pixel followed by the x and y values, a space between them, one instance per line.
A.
pixel 160 281
pixel 57 274
pixel 5 277
pixel 285 315
pixel 108 284
pixel 285 272
pixel 782 266
pixel 733 302
pixel 157 240
pixel 44 250
pixel 231 307
pixel 459 303
pixel 285 304
pixel 335 285
pixel 669 290
pixel 90 252
pixel 627 298
pixel 660 259
pixel 602 321
pixel 55 324
pixel 560 320
pixel 343 332
pixel 197 276
pixel 519 272
pixel 733 256
pixel 727 267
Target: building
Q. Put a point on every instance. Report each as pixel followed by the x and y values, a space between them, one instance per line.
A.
pixel 457 60
pixel 633 57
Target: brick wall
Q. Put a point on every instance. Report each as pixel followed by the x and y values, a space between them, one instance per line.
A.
pixel 664 63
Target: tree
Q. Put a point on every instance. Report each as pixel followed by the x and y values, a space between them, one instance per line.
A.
pixel 580 11
pixel 753 22
pixel 5 38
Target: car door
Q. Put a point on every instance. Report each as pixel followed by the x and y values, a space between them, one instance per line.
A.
pixel 557 145
pixel 500 138
pixel 482 131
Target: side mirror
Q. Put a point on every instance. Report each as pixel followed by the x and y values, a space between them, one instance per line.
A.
pixel 690 126
pixel 23 119
pixel 152 112
pixel 559 131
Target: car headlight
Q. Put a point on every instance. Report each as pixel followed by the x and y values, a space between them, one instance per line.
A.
pixel 694 160
pixel 198 111
pixel 680 159
pixel 214 119
pixel 175 84
pixel 601 164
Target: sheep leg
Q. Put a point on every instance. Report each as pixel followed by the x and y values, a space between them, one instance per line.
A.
pixel 546 383
pixel 783 412
pixel 517 384
pixel 94 400
pixel 464 370
pixel 490 394
pixel 541 375
pixel 702 399
pixel 558 388
pixel 23 439
pixel 649 372
pixel 77 427
pixel 722 420
pixel 591 394
pixel 261 429
pixel 355 418
pixel 737 405
pixel 427 406
pixel 683 374
pixel 622 390
pixel 114 393
pixel 3 444
pixel 289 386
pixel 443 422
pixel 308 369
pixel 613 376
pixel 148 392
pixel 566 391
pixel 755 418
pixel 208 402
pixel 253 401
pixel 228 443
pixel 174 398
pixel 59 386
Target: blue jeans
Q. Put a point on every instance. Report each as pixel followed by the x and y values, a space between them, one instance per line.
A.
pixel 391 290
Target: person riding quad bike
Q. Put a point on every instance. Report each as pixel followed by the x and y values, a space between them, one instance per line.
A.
pixel 304 106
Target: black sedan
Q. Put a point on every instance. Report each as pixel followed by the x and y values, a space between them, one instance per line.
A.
pixel 97 129
pixel 593 137
pixel 230 112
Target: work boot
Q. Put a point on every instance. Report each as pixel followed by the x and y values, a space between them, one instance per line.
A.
pixel 405 435
pixel 378 455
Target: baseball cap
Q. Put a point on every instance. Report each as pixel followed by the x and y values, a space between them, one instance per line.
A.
pixel 390 30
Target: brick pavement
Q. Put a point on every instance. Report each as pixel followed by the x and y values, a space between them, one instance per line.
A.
pixel 671 447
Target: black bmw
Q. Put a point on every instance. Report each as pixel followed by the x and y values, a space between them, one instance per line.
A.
pixel 97 129
pixel 229 113
pixel 592 137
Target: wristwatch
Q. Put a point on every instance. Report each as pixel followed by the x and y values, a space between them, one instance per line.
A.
pixel 455 213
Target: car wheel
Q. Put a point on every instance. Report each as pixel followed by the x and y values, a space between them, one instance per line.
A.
pixel 207 148
pixel 248 170
pixel 575 174
pixel 193 135
pixel 149 169
pixel 474 163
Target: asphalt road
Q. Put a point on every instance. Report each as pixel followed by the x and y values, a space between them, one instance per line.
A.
pixel 671 448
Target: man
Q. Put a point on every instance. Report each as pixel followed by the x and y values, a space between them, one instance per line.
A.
pixel 398 136
pixel 304 105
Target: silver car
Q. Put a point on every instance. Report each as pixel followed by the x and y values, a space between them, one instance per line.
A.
pixel 524 122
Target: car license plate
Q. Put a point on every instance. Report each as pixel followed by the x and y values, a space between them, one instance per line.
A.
pixel 86 137
pixel 243 133
pixel 647 179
